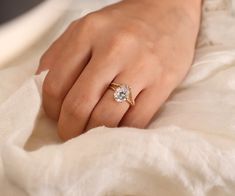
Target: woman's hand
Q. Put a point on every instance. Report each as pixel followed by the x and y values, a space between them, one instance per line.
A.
pixel 148 45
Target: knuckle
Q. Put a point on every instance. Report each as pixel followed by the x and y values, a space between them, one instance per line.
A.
pixel 75 108
pixel 122 41
pixel 72 109
pixel 50 88
pixel 73 24
pixel 47 59
pixel 92 20
pixel 125 36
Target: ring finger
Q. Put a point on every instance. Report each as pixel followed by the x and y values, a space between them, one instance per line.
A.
pixel 108 111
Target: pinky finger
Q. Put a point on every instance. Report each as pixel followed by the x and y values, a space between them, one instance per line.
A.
pixel 148 103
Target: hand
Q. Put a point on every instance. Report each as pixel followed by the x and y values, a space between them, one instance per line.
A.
pixel 148 45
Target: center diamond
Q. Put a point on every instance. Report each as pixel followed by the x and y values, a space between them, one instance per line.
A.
pixel 121 93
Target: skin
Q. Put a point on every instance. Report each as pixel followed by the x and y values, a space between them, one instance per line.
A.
pixel 148 45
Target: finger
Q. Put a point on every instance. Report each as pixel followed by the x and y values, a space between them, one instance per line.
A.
pixel 63 75
pixel 49 57
pixel 109 112
pixel 85 94
pixel 147 104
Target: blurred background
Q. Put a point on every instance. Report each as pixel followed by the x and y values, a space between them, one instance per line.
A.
pixel 28 27
pixel 9 11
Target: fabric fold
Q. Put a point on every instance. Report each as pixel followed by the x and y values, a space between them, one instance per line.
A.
pixel 166 159
pixel 188 149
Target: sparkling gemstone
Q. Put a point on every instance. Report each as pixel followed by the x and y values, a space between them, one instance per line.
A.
pixel 121 93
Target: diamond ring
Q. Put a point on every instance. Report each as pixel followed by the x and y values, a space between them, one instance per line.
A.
pixel 122 92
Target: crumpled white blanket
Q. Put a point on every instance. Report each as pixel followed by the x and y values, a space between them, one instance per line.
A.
pixel 188 150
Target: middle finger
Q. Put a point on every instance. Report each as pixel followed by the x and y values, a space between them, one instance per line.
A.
pixel 85 94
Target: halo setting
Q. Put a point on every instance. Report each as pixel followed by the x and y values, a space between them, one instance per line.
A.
pixel 121 93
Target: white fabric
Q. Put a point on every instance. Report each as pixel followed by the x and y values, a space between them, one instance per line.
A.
pixel 188 150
